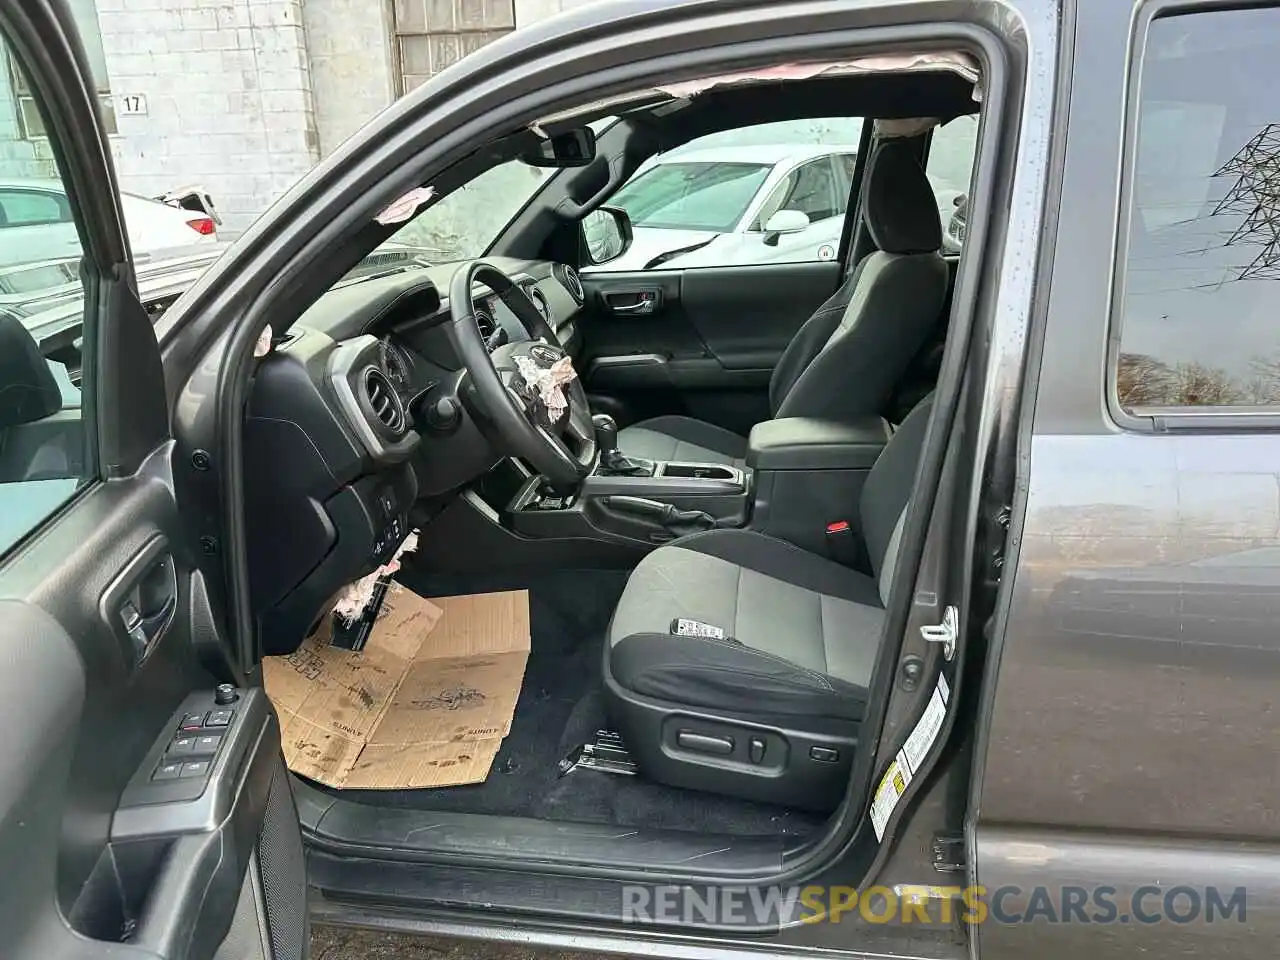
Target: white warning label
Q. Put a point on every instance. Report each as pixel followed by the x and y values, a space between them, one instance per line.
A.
pixel 910 758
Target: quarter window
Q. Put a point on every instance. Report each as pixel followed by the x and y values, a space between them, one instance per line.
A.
pixel 952 149
pixel 1201 278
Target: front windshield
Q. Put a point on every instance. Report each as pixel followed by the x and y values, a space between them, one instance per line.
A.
pixel 462 225
pixel 692 195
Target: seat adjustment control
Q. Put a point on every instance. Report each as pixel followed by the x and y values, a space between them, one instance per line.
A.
pixel 755 749
pixel 704 743
pixel 824 754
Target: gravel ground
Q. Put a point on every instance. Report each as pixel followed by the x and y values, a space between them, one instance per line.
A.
pixel 342 943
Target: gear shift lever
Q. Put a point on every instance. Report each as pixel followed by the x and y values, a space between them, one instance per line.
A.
pixel 606 434
pixel 612 461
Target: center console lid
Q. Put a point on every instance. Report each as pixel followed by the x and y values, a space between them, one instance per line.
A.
pixel 805 443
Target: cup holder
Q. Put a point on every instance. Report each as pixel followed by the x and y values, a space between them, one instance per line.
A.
pixel 698 471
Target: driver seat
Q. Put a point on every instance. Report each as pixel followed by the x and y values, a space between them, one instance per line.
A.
pixel 771 712
pixel 846 359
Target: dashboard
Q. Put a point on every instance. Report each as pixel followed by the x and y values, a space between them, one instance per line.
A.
pixel 356 415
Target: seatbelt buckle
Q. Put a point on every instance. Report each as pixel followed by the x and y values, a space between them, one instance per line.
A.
pixel 842 545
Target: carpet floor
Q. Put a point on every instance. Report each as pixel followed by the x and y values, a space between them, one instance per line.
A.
pixel 559 708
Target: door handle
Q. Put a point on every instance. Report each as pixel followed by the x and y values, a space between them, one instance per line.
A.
pixel 145 629
pixel 142 603
pixel 632 303
pixel 643 308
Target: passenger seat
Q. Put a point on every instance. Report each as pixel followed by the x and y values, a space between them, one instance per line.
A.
pixel 773 711
pixel 846 360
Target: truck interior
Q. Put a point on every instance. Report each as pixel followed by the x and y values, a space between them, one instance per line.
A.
pixel 740 451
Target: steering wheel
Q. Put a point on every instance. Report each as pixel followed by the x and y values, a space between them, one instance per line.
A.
pixel 505 391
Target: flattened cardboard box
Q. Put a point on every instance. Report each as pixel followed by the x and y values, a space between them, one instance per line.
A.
pixel 425 704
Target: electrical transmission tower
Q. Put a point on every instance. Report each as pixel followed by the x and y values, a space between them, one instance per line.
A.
pixel 1256 195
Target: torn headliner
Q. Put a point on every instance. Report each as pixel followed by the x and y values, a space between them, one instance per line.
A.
pixel 668 99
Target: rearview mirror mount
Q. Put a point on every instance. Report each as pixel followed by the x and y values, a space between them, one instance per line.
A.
pixel 574 148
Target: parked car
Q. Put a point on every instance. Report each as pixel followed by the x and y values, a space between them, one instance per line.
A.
pixel 894 604
pixel 747 204
pixel 46 296
pixel 36 222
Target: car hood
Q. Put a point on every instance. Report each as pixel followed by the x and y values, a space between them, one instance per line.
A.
pixel 650 242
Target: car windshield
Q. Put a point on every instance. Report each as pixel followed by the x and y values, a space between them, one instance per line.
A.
pixel 461 225
pixel 692 195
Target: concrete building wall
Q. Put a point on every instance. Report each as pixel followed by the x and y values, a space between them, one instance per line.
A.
pixel 350 45
pixel 228 95
pixel 242 97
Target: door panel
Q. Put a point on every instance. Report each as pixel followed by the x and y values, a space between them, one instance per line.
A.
pixel 149 867
pixel 701 342
pixel 141 812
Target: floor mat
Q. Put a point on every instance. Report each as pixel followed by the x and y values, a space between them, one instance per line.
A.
pixel 560 707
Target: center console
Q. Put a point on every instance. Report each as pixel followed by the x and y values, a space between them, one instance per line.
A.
pixel 641 501
pixel 801 477
pixel 809 476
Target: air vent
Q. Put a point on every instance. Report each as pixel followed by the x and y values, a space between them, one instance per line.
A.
pixel 485 321
pixel 384 402
pixel 540 302
pixel 570 280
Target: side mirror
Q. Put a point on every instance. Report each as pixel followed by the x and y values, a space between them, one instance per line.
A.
pixel 606 234
pixel 575 148
pixel 784 221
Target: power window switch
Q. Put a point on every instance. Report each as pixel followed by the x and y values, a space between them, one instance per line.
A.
pixel 169 770
pixel 207 745
pixel 181 747
pixel 219 718
pixel 192 721
pixel 194 768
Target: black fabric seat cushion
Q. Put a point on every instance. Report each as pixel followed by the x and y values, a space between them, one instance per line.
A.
pixel 683 440
pixel 802 631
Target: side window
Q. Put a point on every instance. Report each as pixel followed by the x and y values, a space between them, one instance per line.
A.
pixel 29 208
pixel 1201 278
pixel 43 449
pixel 949 168
pixel 770 193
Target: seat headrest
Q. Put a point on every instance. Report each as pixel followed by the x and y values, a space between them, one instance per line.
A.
pixel 899 207
pixel 28 389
